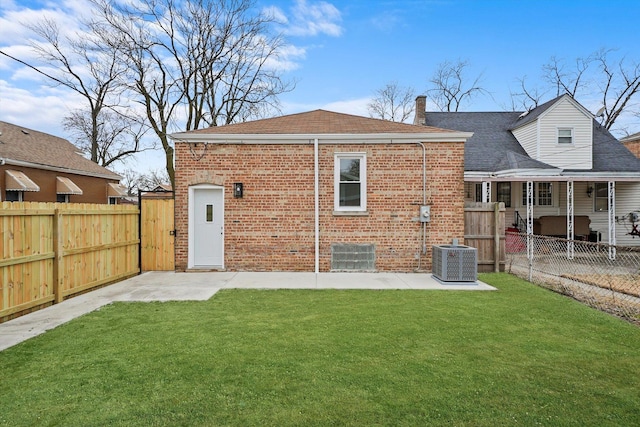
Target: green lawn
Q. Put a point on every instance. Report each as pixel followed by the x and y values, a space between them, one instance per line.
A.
pixel 518 356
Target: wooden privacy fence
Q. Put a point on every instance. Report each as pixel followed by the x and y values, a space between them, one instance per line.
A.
pixel 157 232
pixel 484 230
pixel 49 251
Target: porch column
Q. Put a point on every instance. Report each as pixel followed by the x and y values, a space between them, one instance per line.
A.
pixel 611 200
pixel 570 221
pixel 529 220
pixel 486 192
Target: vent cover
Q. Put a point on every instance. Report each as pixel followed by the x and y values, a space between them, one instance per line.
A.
pixel 353 257
pixel 453 263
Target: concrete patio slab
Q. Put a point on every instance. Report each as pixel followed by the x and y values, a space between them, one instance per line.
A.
pixel 200 286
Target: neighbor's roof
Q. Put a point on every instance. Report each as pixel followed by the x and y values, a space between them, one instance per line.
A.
pixel 492 141
pixel 318 122
pixel 28 147
pixel 631 138
pixel 486 150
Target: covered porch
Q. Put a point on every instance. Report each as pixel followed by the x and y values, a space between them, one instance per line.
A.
pixel 599 208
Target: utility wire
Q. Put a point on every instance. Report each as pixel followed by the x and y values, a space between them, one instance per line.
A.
pixel 39 71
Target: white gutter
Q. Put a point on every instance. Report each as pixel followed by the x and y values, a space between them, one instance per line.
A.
pixel 316 201
pixel 347 138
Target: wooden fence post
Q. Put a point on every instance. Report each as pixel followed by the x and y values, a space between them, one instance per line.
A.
pixel 57 260
pixel 496 237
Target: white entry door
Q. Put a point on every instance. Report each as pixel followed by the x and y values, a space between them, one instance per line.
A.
pixel 208 227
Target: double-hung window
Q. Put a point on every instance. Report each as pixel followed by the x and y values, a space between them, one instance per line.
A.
pixel 350 182
pixel 601 196
pixel 565 136
pixel 504 193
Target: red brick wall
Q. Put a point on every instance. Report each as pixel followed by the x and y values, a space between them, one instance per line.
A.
pixel 272 226
pixel 634 147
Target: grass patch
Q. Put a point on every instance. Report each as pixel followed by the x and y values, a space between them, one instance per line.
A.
pixel 521 355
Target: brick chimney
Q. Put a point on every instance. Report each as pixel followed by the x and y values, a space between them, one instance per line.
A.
pixel 421 109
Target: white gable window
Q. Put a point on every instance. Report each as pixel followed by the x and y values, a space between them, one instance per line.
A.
pixel 350 182
pixel 565 135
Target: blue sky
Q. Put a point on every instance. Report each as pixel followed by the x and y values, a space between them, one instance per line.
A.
pixel 340 52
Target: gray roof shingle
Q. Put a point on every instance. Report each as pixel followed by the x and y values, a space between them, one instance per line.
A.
pixel 493 147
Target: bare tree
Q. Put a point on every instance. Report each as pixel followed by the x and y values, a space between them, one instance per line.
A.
pixel 619 87
pixel 118 136
pixel 392 102
pixel 134 180
pixel 615 80
pixel 526 98
pixel 195 63
pixel 564 79
pixel 450 88
pixel 91 69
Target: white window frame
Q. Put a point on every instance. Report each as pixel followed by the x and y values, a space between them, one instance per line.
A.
pixel 20 195
pixel 536 194
pixel 363 182
pixel 603 199
pixel 558 136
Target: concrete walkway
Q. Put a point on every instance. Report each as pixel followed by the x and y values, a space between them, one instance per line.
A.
pixel 171 286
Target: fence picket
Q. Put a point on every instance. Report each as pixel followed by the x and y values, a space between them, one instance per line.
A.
pixel 49 251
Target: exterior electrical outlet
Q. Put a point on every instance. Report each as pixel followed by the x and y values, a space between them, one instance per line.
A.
pixel 425 213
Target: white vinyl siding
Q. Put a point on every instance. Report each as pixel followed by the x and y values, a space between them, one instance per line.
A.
pixel 527 136
pixel 627 196
pixel 577 155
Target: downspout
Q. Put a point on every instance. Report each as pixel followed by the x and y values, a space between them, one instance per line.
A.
pixel 424 202
pixel 316 201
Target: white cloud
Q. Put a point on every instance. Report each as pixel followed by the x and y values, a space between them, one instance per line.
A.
pixel 287 58
pixel 39 108
pixel 311 19
pixel 356 106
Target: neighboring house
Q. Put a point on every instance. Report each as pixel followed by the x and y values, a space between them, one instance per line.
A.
pixel 38 167
pixel 555 164
pixel 632 142
pixel 316 191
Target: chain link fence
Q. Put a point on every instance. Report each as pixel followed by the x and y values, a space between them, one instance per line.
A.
pixel 602 276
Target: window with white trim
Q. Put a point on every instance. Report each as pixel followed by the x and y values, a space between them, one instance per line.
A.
pixel 542 194
pixel 601 199
pixel 350 182
pixel 13 196
pixel 565 135
pixel 503 193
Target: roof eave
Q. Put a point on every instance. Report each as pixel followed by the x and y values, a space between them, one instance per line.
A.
pixel 22 163
pixel 371 138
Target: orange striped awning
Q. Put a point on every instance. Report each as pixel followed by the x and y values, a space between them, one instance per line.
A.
pixel 18 181
pixel 116 190
pixel 65 186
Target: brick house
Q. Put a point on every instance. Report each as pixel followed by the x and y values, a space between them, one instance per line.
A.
pixel 632 142
pixel 38 167
pixel 316 191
